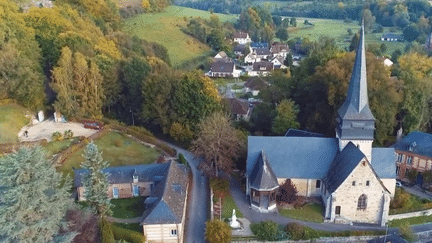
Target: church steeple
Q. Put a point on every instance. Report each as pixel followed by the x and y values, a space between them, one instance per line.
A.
pixel 355 119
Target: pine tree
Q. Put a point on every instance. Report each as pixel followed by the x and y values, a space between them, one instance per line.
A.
pixel 34 198
pixel 96 181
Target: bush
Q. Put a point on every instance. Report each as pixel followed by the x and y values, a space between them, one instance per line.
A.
pixel 268 230
pixel 288 192
pixel 182 159
pixel 220 186
pixel 296 231
pixel 127 235
pixel 118 143
pixel 406 232
pixel 68 134
pixel 401 199
pixel 106 232
pixel 57 136
pixel 217 232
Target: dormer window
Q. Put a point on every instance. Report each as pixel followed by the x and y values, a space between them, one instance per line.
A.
pixel 135 177
pixel 412 146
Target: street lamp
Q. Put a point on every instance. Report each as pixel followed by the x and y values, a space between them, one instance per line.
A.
pixel 133 121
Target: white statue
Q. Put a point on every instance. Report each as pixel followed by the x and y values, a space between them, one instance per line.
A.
pixel 234 223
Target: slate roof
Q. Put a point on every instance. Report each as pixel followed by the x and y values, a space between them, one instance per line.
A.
pixel 356 105
pixel 423 143
pixel 255 45
pixel 239 48
pixel 267 66
pixel 300 133
pixel 255 83
pixel 238 106
pixel 262 176
pixel 222 67
pixel 383 162
pixel 342 166
pixel 123 174
pixel 222 54
pixel 263 51
pixel 294 157
pixel 242 35
pixel 171 194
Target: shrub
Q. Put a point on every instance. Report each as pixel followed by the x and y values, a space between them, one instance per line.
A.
pixel 106 231
pixel 57 136
pixel 406 232
pixel 296 231
pixel 118 143
pixel 127 235
pixel 288 192
pixel 217 232
pixel 401 199
pixel 220 186
pixel 68 134
pixel 182 159
pixel 268 230
pixel 412 175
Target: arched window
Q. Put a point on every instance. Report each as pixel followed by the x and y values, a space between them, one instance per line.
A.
pixel 362 202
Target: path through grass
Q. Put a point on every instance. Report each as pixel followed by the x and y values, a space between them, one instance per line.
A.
pixel 129 152
pixel 12 119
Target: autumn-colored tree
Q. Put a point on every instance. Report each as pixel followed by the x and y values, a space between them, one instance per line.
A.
pixel 181 133
pixel 218 142
pixel 288 192
pixel 286 117
pixel 217 232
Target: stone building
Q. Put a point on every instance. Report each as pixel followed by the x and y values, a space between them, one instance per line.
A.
pixel 354 180
pixel 165 186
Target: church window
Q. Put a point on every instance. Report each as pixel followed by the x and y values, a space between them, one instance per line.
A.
pixel 318 184
pixel 362 202
pixel 338 209
pixel 353 183
pixel 409 160
pixel 367 183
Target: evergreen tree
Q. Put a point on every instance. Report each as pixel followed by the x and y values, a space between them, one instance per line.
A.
pixel 96 181
pixel 34 198
pixel 286 117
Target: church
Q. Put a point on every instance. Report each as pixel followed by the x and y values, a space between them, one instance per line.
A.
pixel 354 180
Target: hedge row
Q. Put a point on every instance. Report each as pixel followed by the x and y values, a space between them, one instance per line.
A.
pixel 138 133
pixel 127 235
pixel 11 147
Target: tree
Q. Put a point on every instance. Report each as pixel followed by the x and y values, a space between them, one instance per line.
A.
pixel 218 142
pixel 293 22
pixel 412 175
pixel 217 232
pixel 411 32
pixel 354 42
pixel 289 60
pixel 96 181
pixel 368 18
pixel 282 34
pixel 383 48
pixel 427 177
pixel 288 192
pixel 35 198
pixel 286 117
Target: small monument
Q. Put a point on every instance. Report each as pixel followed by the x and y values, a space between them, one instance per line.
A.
pixel 234 223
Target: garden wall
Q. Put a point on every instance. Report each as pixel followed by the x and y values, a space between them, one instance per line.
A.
pixel 353 239
pixel 409 215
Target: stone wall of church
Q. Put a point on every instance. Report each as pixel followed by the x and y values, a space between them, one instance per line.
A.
pixel 348 194
pixel 305 187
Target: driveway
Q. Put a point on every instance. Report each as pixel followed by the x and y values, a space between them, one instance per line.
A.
pixel 45 129
pixel 416 190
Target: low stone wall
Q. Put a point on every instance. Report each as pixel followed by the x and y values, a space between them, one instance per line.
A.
pixel 353 239
pixel 409 215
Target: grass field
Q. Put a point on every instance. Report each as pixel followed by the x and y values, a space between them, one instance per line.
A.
pixel 311 212
pixel 55 147
pixel 128 207
pixel 129 153
pixel 164 28
pixel 228 206
pixel 12 119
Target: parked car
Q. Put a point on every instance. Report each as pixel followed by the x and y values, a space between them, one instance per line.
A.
pixel 398 184
pixel 91 124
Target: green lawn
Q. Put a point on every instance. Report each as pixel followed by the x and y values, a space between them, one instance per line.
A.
pixel 411 221
pixel 311 212
pixel 128 207
pixel 228 206
pixel 54 147
pixel 164 28
pixel 12 119
pixel 129 153
pixel 135 227
pixel 391 46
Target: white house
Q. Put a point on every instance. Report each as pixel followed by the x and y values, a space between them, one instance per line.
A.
pixel 254 85
pixel 252 57
pixel 279 49
pixel 223 69
pixel 262 68
pixel 242 38
pixel 278 62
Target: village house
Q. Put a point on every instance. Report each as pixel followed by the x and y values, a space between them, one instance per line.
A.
pixel 279 49
pixel 414 152
pixel 239 50
pixel 252 57
pixel 240 108
pixel 391 37
pixel 354 180
pixel 222 56
pixel 278 62
pixel 254 85
pixel 223 69
pixel 262 68
pixel 256 45
pixel 242 38
pixel 165 186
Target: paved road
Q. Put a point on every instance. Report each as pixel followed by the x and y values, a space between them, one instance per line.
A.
pixel 242 202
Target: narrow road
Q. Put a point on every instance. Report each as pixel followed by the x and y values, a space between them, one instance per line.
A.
pixel 417 191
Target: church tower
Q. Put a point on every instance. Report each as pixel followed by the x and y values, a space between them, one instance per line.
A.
pixel 355 121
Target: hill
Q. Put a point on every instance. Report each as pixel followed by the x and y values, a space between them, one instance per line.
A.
pixel 164 28
pixel 12 119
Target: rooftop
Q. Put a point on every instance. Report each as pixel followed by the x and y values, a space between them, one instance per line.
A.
pixel 416 142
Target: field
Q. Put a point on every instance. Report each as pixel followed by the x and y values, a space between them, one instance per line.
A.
pixel 164 28
pixel 12 119
pixel 129 152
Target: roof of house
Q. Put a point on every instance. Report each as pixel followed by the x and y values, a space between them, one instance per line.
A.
pixel 255 83
pixel 342 166
pixel 263 66
pixel 262 176
pixel 222 54
pixel 238 106
pixel 263 51
pixel 258 44
pixel 391 35
pixel 294 157
pixel 240 48
pixel 222 67
pixel 242 35
pixel 422 146
pixel 123 174
pixel 277 47
pixel 300 133
pixel 171 194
